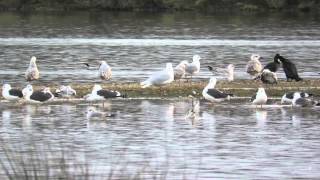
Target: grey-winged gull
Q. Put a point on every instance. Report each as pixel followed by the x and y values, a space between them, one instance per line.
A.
pixel 65 91
pixel 260 98
pixel 160 78
pixel 299 101
pixel 193 67
pixel 212 94
pixel 32 72
pixel 93 113
pixel 229 71
pixel 288 97
pixel 11 94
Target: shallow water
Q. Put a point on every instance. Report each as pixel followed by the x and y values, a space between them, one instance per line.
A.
pixel 136 44
pixel 231 141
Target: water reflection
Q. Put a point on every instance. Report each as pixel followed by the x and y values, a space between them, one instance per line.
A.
pixel 215 141
pixel 261 116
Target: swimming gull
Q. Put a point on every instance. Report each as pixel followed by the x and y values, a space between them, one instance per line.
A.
pixel 32 72
pixel 288 97
pixel 98 94
pixel 37 96
pixel 11 94
pixel 213 95
pixel 105 71
pixel 254 66
pixel 160 78
pixel 93 113
pixel 65 91
pixel 260 97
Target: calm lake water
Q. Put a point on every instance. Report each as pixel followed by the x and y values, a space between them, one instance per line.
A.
pixel 154 137
pixel 136 44
pixel 151 137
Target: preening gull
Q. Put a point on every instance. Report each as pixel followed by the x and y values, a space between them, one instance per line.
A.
pixel 260 97
pixel 275 65
pixel 160 78
pixel 98 94
pixel 105 71
pixel 229 71
pixel 65 91
pixel 268 77
pixel 194 67
pixel 32 72
pixel 299 101
pixel 11 94
pixel 289 69
pixel 93 113
pixel 37 96
pixel 213 95
pixel 288 97
pixel 254 66
pixel 180 70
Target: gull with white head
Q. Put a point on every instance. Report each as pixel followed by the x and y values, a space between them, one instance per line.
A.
pixel 260 98
pixel 214 95
pixel 194 67
pixel 37 96
pixel 160 78
pixel 11 94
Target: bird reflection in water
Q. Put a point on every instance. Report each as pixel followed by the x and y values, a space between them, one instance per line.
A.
pixel 193 113
pixel 261 117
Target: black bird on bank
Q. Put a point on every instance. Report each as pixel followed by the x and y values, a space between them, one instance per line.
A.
pixel 275 65
pixel 289 69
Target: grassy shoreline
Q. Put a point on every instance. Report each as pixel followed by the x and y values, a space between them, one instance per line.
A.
pixel 240 88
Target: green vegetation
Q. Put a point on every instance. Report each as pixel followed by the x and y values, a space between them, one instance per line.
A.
pixel 161 5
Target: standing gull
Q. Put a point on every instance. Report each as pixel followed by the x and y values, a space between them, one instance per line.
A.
pixel 160 78
pixel 254 66
pixel 99 94
pixel 213 95
pixel 194 67
pixel 11 94
pixel 180 70
pixel 260 97
pixel 32 72
pixel 288 97
pixel 37 96
pixel 105 71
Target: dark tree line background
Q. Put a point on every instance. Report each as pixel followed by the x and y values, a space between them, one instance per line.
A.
pixel 162 5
